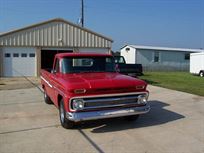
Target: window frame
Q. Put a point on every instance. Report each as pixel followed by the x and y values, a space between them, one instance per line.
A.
pixel 159 57
pixel 24 54
pixel 32 55
pixel 5 55
pixel 15 55
pixel 187 56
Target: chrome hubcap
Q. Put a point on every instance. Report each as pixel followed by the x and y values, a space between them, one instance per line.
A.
pixel 61 113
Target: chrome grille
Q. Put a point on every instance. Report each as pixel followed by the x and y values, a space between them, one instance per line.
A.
pixel 115 101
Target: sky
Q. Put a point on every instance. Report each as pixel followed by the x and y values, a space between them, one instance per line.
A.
pixel 167 23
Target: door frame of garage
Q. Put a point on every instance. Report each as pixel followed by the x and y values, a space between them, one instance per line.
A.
pixel 38 61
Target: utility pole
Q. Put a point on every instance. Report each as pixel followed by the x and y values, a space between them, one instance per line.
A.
pixel 82 13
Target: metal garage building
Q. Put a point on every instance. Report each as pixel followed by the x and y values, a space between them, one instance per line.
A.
pixel 23 52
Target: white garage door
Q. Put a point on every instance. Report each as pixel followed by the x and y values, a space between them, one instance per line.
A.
pixel 19 61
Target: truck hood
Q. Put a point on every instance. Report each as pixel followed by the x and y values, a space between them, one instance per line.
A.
pixel 100 81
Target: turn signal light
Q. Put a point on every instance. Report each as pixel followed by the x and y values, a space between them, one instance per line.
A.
pixel 140 87
pixel 79 91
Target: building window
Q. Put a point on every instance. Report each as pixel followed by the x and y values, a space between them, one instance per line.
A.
pixel 7 55
pixel 187 56
pixel 15 55
pixel 23 55
pixel 156 56
pixel 32 55
pixel 127 49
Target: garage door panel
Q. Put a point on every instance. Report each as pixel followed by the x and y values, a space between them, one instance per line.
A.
pixel 19 61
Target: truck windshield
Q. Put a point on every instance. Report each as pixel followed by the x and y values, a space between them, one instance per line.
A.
pixel 88 64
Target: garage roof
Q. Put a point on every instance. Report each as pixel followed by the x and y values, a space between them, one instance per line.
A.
pixel 54 33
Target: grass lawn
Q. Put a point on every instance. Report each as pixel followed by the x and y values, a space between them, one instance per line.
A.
pixel 181 81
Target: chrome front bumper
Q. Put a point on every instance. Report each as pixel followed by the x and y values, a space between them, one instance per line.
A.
pixel 94 115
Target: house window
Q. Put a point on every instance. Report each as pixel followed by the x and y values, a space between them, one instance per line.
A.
pixel 156 56
pixel 187 56
pixel 32 55
pixel 15 55
pixel 7 55
pixel 23 55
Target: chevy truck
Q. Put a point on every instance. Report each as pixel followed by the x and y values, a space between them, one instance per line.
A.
pixel 87 86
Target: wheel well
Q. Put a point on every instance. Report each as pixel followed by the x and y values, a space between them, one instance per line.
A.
pixel 59 98
pixel 43 86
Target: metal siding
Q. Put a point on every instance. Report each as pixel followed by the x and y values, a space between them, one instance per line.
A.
pixel 26 38
pixel 29 38
pixel 49 35
pixel 144 57
pixel 85 39
pixel 64 34
pixel 93 40
pixel 94 50
pixel 78 37
pixel 60 34
pixel 68 34
pixel 169 60
pixel 33 36
pixel 82 38
pixel 37 37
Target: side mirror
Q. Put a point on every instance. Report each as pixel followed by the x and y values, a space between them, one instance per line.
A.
pixel 117 68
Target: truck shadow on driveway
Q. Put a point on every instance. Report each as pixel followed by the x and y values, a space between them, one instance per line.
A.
pixel 158 115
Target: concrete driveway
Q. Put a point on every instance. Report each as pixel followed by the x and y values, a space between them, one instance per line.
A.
pixel 175 124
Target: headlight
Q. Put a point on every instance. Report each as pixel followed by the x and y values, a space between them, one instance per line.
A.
pixel 78 104
pixel 142 99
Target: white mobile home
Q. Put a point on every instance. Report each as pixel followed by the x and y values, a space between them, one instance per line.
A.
pixel 158 58
pixel 197 64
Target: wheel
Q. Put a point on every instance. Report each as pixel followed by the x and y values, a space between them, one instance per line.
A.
pixel 47 98
pixel 67 124
pixel 132 117
pixel 201 74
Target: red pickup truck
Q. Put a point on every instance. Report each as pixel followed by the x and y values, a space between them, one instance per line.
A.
pixel 87 86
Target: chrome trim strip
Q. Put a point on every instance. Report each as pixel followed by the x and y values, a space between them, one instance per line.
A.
pixel 94 115
pixel 46 82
